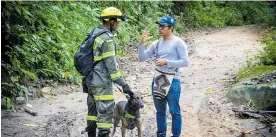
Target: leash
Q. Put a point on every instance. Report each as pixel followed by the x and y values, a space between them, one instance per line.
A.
pixel 120 90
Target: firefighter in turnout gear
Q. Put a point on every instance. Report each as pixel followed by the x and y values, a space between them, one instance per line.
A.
pixel 100 100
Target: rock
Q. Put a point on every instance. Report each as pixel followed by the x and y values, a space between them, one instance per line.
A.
pixel 190 47
pixel 55 84
pixel 34 93
pixel 53 92
pixel 229 105
pixel 30 95
pixel 20 100
pixel 263 96
pixel 31 92
pixel 211 101
pixel 46 89
pixel 29 105
pixel 30 89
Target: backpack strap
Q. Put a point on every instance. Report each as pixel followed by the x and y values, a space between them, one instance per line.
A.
pixel 98 34
pixel 156 49
pixel 89 35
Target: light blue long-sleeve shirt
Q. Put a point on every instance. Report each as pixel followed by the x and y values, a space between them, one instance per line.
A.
pixel 174 51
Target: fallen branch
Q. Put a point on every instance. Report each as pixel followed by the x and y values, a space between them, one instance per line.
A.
pixel 244 133
pixel 261 112
pixel 248 114
pixel 247 132
pixel 30 111
pixel 257 111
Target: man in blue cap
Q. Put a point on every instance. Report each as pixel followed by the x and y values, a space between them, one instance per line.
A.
pixel 171 54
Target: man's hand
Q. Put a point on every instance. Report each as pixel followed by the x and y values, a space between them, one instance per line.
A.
pixel 161 62
pixel 127 90
pixel 144 36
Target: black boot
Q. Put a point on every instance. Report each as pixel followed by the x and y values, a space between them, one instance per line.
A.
pixel 91 129
pixel 103 132
pixel 92 134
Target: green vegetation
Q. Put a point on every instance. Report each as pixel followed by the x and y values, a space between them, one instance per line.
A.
pixel 254 71
pixel 268 55
pixel 223 13
pixel 262 63
pixel 39 39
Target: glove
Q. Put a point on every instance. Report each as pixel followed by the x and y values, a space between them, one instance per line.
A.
pixel 127 90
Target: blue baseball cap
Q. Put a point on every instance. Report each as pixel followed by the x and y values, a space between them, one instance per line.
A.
pixel 166 20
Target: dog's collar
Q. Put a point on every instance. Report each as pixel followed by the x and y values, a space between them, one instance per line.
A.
pixel 128 115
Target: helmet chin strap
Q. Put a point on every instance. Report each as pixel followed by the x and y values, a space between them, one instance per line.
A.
pixel 111 26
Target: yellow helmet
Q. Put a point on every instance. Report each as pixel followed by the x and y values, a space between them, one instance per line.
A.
pixel 111 13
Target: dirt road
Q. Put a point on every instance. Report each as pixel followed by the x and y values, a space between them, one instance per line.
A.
pixel 217 54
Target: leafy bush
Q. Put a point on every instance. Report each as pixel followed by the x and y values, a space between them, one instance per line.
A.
pixel 48 47
pixel 222 13
pixel 268 54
